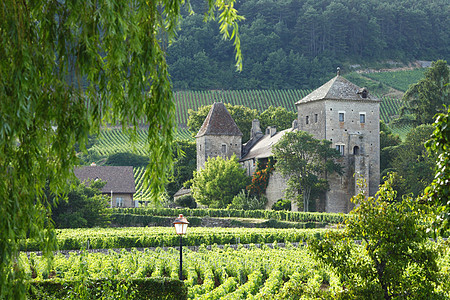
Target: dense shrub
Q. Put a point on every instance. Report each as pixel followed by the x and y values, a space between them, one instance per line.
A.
pixel 142 288
pixel 127 159
pixel 282 204
pixel 186 201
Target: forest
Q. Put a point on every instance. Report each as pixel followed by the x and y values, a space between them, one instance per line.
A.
pixel 299 43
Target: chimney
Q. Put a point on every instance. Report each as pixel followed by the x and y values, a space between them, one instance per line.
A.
pixel 256 130
pixel 271 130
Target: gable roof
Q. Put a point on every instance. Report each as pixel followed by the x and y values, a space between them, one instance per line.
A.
pixel 118 179
pixel 263 148
pixel 219 122
pixel 338 88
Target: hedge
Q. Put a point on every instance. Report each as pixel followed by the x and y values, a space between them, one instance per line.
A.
pixel 105 288
pixel 292 216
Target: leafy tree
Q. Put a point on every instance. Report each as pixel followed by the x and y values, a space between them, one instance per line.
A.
pixel 395 259
pixel 84 206
pixel 218 183
pixel 277 116
pixel 438 192
pixel 304 160
pixel 427 97
pixel 412 162
pixel 388 143
pixel 242 115
pixel 185 163
pixel 67 67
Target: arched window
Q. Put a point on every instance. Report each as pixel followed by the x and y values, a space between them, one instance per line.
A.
pixel 356 150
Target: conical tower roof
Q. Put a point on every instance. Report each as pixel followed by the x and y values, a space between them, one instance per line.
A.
pixel 219 122
pixel 339 88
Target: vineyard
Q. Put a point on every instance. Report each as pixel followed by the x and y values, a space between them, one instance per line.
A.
pixel 258 99
pixel 220 273
pixel 399 80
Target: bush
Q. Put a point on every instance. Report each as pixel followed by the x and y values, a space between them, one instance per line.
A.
pixel 244 201
pixel 186 201
pixel 282 204
pixel 146 288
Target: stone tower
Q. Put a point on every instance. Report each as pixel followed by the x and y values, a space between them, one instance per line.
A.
pixel 349 117
pixel 218 136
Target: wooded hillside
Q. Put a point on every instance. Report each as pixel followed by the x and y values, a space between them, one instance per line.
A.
pixel 297 44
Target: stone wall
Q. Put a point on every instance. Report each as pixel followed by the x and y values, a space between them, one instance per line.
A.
pixel 217 145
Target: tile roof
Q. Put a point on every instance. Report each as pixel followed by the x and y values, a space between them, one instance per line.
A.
pixel 338 88
pixel 263 148
pixel 219 122
pixel 118 179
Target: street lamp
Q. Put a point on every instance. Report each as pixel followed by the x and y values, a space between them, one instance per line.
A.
pixel 181 225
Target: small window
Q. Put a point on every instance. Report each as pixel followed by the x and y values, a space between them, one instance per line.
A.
pixel 340 148
pixel 200 147
pixel 315 118
pixel 119 202
pixel 224 148
pixel 362 118
pixel 356 150
pixel 341 117
pixel 307 119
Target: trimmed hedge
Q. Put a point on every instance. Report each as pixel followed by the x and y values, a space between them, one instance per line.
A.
pixel 141 237
pixel 139 288
pixel 126 219
pixel 291 216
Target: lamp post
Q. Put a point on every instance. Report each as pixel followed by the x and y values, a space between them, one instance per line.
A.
pixel 181 224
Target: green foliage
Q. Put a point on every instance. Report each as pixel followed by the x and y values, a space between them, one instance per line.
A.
pixel 395 259
pixel 185 163
pixel 186 201
pixel 388 142
pixel 291 216
pixel 244 200
pixel 282 204
pixel 412 162
pixel 303 160
pixel 141 237
pixel 301 45
pixel 131 288
pixel 127 159
pixel 277 116
pixel 66 68
pixel 218 183
pixel 438 192
pixel 84 206
pixel 427 97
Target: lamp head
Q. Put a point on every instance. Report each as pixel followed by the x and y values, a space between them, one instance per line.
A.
pixel 181 224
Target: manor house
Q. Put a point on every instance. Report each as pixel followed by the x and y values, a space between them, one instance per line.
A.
pixel 338 111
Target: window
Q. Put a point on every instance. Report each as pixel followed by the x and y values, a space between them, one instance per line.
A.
pixel 224 148
pixel 362 118
pixel 340 148
pixel 315 118
pixel 119 202
pixel 341 116
pixel 307 119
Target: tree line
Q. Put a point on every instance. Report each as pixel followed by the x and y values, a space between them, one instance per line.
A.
pixel 299 43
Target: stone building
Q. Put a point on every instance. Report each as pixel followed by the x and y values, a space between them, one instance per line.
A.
pixel 218 136
pixel 338 111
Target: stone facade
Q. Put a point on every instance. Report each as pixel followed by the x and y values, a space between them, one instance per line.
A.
pixel 218 136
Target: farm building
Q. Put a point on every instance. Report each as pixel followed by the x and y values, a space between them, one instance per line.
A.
pixel 338 111
pixel 119 186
